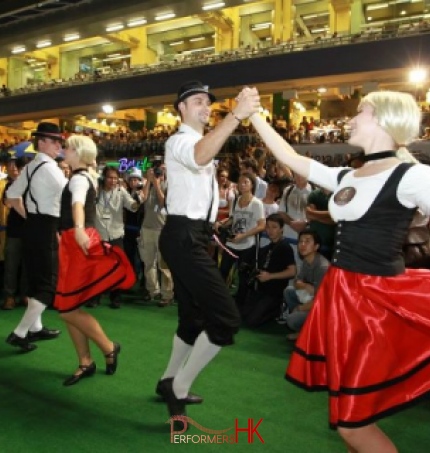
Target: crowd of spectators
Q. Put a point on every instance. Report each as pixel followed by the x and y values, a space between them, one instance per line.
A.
pixel 300 43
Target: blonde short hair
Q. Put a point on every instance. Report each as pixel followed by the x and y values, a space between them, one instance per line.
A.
pixel 399 115
pixel 84 146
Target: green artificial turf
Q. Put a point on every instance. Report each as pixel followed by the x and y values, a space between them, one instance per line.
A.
pixel 120 413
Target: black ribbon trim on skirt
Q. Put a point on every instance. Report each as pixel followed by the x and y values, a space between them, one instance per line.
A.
pixel 308 388
pixel 310 357
pixel 380 386
pixel 85 301
pixel 391 411
pixel 90 285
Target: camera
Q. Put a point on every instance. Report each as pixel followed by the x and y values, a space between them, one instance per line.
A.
pixel 225 233
pixel 251 273
pixel 158 171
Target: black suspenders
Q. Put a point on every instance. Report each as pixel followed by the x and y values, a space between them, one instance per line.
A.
pixel 28 189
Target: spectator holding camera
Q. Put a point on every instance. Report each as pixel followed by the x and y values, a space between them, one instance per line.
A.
pixel 276 266
pixel 154 194
pixel 299 298
pixel 111 200
pixel 133 220
pixel 247 221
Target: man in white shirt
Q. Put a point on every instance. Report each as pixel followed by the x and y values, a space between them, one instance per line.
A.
pixel 208 316
pixel 36 195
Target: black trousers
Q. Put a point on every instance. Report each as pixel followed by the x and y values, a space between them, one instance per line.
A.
pixel 40 250
pixel 204 302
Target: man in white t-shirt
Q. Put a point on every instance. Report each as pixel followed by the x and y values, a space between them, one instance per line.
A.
pixel 292 207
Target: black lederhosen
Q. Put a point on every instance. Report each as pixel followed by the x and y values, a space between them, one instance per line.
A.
pixel 204 301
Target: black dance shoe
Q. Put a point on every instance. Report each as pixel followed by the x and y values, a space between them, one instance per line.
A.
pixel 20 342
pixel 43 334
pixel 87 371
pixel 160 390
pixel 175 406
pixel 111 367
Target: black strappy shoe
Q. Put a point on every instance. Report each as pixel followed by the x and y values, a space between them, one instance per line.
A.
pixel 111 367
pixel 87 371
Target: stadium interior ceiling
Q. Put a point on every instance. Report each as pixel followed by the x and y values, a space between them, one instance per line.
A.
pixel 24 22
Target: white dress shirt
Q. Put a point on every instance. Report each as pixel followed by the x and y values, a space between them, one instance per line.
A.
pixel 46 186
pixel 191 187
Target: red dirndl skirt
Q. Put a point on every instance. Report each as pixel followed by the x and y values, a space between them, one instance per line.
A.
pixel 367 342
pixel 82 277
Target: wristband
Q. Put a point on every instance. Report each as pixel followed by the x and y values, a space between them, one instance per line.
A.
pixel 236 117
pixel 79 226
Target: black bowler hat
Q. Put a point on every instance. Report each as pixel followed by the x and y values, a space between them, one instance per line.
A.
pixel 48 130
pixel 190 88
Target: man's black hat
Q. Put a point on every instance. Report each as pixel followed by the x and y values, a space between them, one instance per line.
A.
pixel 48 130
pixel 190 88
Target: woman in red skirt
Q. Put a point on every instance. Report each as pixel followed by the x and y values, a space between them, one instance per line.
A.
pixel 367 339
pixel 87 266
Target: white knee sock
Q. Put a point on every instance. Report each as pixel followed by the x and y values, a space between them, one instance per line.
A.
pixel 32 314
pixel 203 352
pixel 180 352
pixel 37 325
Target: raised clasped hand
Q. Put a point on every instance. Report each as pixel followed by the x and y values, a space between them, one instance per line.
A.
pixel 248 102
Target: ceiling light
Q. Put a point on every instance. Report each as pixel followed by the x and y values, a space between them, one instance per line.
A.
pixel 38 69
pixel 71 37
pixel 213 6
pixel 176 43
pixel 114 55
pixel 322 90
pixel 199 38
pixel 18 49
pixel 113 124
pixel 42 44
pixel 377 6
pixel 114 27
pixel 402 13
pixel 136 22
pixel 165 16
pixel 369 18
pixel 107 108
pixel 417 75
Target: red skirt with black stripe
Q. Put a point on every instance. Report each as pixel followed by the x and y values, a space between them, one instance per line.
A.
pixel 82 277
pixel 367 342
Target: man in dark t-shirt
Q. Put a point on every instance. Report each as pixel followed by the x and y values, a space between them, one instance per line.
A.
pixel 14 274
pixel 276 266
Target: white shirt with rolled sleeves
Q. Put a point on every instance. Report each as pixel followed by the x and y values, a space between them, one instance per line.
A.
pixel 46 186
pixel 191 187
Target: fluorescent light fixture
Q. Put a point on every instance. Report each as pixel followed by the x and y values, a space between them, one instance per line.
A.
pixel 136 22
pixel 18 49
pixel 402 13
pixel 199 38
pixel 176 43
pixel 377 6
pixel 318 30
pixel 210 6
pixel 42 44
pixel 314 16
pixel 269 38
pixel 369 18
pixel 165 16
pixel 114 55
pixel 118 57
pixel 114 27
pixel 71 37
pixel 261 26
pixel 107 108
pixel 38 69
pixel 94 58
pixel 30 60
pixel 322 90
